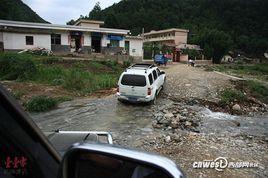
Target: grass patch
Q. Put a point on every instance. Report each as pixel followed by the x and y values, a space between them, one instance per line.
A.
pixel 63 99
pixel 258 90
pixel 16 67
pixel 259 71
pixel 18 94
pixel 77 76
pixel 41 104
pixel 232 95
pixel 76 80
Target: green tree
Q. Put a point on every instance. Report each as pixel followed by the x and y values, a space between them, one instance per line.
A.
pixel 112 21
pixel 95 14
pixel 71 22
pixel 215 43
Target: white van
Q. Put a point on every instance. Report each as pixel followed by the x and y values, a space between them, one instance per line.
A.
pixel 140 83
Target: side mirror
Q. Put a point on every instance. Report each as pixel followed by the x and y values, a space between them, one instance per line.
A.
pixel 162 72
pixel 107 161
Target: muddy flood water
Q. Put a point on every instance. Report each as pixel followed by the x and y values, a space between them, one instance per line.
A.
pixel 219 134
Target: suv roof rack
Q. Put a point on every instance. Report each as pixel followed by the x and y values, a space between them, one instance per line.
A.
pixel 141 66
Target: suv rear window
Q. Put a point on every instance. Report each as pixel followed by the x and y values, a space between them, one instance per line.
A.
pixel 133 80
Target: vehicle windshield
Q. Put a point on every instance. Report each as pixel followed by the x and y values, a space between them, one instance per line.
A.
pixel 133 80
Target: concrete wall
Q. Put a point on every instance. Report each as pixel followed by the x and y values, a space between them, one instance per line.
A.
pixel 180 37
pixel 17 41
pixel 104 41
pixel 64 38
pixel 1 42
pixel 1 36
pixel 135 47
pixel 111 50
pixel 184 58
pixel 122 43
pixel 89 25
pixel 87 39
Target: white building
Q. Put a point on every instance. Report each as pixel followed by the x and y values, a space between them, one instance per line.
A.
pixel 86 37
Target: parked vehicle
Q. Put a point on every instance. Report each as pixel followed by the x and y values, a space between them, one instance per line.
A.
pixel 160 59
pixel 27 153
pixel 140 83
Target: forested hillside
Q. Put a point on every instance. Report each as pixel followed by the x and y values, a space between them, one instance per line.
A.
pixel 17 10
pixel 243 23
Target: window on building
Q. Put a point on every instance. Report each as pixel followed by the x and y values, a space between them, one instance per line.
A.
pixel 29 40
pixel 55 39
pixel 114 43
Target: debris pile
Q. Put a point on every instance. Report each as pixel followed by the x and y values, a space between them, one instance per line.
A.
pixel 37 51
pixel 176 117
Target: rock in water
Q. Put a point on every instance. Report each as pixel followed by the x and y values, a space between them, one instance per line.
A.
pixel 236 107
pixel 168 139
pixel 169 115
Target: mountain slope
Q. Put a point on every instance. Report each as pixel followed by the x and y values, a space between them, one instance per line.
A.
pixel 245 21
pixel 241 16
pixel 18 11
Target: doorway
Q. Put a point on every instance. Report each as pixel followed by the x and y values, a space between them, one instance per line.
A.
pixel 127 47
pixel 77 41
pixel 96 44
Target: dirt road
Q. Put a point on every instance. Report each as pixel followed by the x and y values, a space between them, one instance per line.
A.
pixel 186 82
pixel 200 134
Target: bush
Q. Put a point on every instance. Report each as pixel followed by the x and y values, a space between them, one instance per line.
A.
pixel 110 63
pixel 18 94
pixel 258 90
pixel 126 63
pixel 41 103
pixel 228 96
pixel 16 66
pixel 50 74
pixel 50 60
pixel 76 80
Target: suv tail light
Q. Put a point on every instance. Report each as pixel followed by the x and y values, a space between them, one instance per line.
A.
pixel 149 91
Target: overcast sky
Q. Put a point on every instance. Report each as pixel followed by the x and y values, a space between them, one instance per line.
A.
pixel 61 11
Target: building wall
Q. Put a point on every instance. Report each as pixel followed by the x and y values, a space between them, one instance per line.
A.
pixel 135 47
pixel 87 39
pixel 1 36
pixel 104 41
pixel 89 25
pixel 64 38
pixel 180 37
pixel 17 41
pixel 122 43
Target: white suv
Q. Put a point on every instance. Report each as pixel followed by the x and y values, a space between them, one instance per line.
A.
pixel 140 83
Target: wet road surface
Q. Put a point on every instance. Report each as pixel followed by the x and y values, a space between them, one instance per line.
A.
pixel 240 138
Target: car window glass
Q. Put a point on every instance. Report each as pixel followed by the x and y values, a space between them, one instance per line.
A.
pixel 155 75
pixel 151 79
pixel 133 80
pixel 158 72
pixel 18 152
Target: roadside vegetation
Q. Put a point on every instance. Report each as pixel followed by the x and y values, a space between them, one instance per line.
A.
pixel 41 103
pixel 77 77
pixel 245 93
pixel 258 71
pixel 228 96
